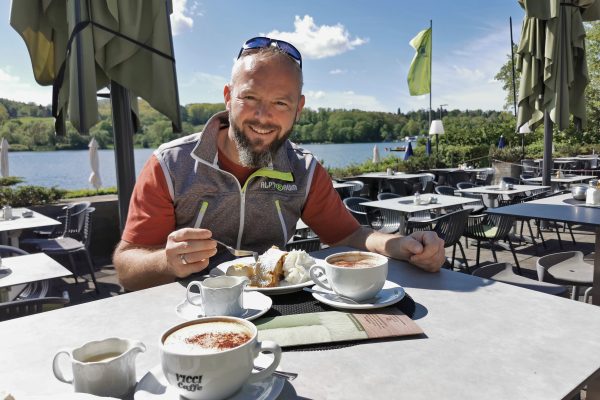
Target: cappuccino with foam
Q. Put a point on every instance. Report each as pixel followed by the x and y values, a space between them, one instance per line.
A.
pixel 208 337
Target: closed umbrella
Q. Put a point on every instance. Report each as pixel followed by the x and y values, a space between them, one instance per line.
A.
pixel 428 146
pixel 80 47
pixel 94 178
pixel 376 157
pixel 408 152
pixel 501 142
pixel 552 61
pixel 4 158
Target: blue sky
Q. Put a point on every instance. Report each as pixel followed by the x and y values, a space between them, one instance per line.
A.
pixel 356 53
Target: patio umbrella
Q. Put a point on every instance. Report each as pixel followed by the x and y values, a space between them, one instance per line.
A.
pixel 94 178
pixel 551 59
pixel 376 157
pixel 82 46
pixel 4 158
pixel 501 142
pixel 408 152
pixel 428 146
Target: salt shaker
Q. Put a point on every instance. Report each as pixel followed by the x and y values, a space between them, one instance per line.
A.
pixel 417 199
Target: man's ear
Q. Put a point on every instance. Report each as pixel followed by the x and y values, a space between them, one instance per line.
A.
pixel 300 107
pixel 227 96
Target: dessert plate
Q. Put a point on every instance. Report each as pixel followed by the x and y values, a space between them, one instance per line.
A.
pixel 283 288
pixel 390 294
pixel 255 305
pixel 154 385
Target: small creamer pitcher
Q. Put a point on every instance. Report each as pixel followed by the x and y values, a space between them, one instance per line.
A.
pixel 101 368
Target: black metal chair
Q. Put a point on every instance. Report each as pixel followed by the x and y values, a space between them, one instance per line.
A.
pixel 355 189
pixel 353 204
pixel 445 190
pixel 399 187
pixel 428 183
pixel 491 228
pixel 75 239
pixel 484 178
pixel 308 245
pixel 476 207
pixel 511 180
pixel 21 308
pixel 58 230
pixel 455 177
pixel 450 228
pixel 387 195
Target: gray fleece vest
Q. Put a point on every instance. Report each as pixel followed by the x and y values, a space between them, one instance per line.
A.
pixel 261 213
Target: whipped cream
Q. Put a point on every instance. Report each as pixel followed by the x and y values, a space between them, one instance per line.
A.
pixel 296 266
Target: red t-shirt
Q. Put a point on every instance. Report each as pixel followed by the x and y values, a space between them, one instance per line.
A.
pixel 152 216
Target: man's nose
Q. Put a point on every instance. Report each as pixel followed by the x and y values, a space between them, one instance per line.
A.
pixel 263 110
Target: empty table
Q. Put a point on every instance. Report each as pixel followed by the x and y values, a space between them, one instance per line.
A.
pixel 13 227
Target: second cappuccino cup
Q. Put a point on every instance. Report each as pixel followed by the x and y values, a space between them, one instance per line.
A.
pixel 359 275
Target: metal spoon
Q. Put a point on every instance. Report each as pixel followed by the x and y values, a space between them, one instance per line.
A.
pixel 290 376
pixel 332 294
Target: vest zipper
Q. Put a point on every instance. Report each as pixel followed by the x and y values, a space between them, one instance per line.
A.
pixel 201 213
pixel 283 226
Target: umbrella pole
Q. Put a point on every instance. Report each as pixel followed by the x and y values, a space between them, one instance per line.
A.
pixel 547 150
pixel 123 138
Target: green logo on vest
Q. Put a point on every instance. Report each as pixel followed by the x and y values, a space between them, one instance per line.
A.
pixel 280 187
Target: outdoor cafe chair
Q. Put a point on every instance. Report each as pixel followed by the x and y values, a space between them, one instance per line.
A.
pixel 400 187
pixel 355 189
pixel 567 268
pixel 484 178
pixel 30 290
pixel 21 308
pixel 428 182
pixel 58 230
pixel 75 239
pixel 358 211
pixel 450 228
pixel 387 195
pixel 457 176
pixel 310 244
pixel 510 180
pixel 491 228
pixel 503 272
pixel 445 190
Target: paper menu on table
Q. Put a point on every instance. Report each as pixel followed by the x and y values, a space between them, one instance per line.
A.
pixel 335 326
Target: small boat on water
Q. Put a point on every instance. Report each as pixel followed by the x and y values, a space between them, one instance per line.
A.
pixel 397 148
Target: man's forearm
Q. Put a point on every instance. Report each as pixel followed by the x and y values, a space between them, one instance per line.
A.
pixel 367 239
pixel 140 268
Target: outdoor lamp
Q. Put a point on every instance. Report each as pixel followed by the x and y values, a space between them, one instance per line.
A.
pixel 436 128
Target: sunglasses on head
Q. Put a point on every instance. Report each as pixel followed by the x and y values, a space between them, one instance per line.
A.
pixel 261 42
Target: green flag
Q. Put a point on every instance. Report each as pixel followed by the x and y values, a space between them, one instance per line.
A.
pixel 419 74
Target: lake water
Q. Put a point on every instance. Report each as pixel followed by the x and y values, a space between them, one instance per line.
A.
pixel 70 169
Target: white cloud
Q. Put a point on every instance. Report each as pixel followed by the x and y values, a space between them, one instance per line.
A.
pixel 337 71
pixel 315 41
pixel 202 88
pixel 181 20
pixel 13 88
pixel 346 100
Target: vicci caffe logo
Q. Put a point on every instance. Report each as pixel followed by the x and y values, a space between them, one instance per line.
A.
pixel 189 382
pixel 280 187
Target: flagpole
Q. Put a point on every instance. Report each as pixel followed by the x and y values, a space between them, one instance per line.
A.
pixel 430 68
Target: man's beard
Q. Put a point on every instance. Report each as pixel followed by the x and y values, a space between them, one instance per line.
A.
pixel 253 158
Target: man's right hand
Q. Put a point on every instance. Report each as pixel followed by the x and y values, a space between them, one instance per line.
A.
pixel 188 251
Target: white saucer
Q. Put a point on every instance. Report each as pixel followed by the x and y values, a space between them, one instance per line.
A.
pixel 154 385
pixel 255 305
pixel 390 294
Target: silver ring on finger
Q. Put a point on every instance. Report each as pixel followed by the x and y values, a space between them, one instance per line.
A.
pixel 183 260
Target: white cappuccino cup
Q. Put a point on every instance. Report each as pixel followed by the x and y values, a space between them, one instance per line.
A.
pixel 212 357
pixel 359 275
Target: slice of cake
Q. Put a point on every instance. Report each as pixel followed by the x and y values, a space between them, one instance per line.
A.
pixel 241 270
pixel 268 271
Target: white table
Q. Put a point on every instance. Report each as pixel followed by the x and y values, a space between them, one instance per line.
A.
pixel 494 191
pixel 13 228
pixel 482 339
pixel 566 179
pixel 29 268
pixel 338 185
pixel 406 206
